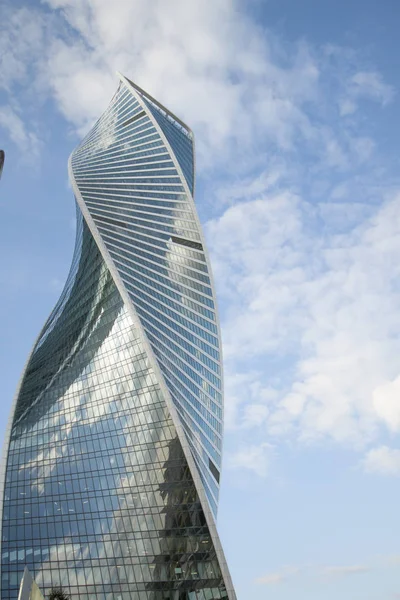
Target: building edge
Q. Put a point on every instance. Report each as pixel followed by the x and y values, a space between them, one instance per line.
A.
pixel 7 435
pixel 133 88
pixel 10 420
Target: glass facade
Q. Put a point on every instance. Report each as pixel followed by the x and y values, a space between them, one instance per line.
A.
pixel 113 458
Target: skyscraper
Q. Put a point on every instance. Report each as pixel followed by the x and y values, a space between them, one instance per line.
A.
pixel 113 450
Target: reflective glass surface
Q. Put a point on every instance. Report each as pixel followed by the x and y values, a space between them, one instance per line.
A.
pixel 129 179
pixel 180 140
pixel 99 497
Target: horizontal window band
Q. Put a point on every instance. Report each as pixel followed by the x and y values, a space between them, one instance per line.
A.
pixel 110 221
pixel 152 225
pixel 131 214
pixel 188 243
pixel 134 118
pixel 213 469
pixel 115 156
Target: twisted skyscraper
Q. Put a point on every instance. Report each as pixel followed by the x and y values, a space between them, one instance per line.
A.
pixel 113 450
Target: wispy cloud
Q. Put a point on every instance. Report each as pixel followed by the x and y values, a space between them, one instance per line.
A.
pixel 364 85
pixel 252 458
pixel 371 85
pixel 22 48
pixel 311 572
pixel 383 460
pixel 277 577
pixel 343 571
pixel 330 302
pixel 270 579
pixel 386 403
pixel 392 560
pixel 22 43
pixel 27 141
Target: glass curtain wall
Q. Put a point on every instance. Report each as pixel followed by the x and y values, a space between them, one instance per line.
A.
pixel 100 497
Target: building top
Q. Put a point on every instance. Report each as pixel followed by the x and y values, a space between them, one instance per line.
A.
pixel 178 122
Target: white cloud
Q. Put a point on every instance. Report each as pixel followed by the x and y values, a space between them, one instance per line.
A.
pixel 254 415
pixel 383 460
pixel 341 571
pixel 271 578
pixel 246 401
pixel 370 84
pixel 22 45
pixel 251 186
pixel 22 39
pixel 312 571
pixel 252 458
pixel 328 302
pixel 278 577
pixel 363 85
pixel 362 147
pixel 27 141
pixel 386 398
pixel 347 107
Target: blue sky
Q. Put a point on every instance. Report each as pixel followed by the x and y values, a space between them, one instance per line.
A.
pixel 295 107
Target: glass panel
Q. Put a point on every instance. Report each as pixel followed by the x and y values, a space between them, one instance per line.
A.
pixel 90 417
pixel 99 497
